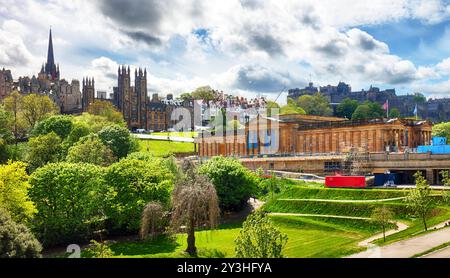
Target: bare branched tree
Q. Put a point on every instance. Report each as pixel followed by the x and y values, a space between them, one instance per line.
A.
pixel 195 204
pixel 151 217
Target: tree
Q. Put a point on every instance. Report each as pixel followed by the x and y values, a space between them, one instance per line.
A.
pixel 315 105
pixel 291 108
pixel 6 125
pixel 70 200
pixel 151 219
pixel 16 240
pixel 394 113
pixel 185 97
pixel 346 108
pixel 234 183
pixel 13 105
pixel 79 130
pixel 419 200
pixel 44 149
pixel 134 183
pixel 446 182
pixel 35 108
pixel 59 124
pixel 108 110
pixel 14 188
pixel 383 217
pixel 419 98
pixel 118 139
pixel 361 112
pixel 368 110
pixel 272 105
pixel 90 149
pixel 259 238
pixel 205 93
pixel 94 122
pixel 195 204
pixel 442 130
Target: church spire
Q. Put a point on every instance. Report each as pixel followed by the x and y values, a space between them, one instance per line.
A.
pixel 50 67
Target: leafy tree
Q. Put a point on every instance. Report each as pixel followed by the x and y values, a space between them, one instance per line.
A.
pixel 59 124
pixel 234 183
pixel 36 108
pixel 383 217
pixel 118 139
pixel 315 105
pixel 185 97
pixel 204 93
pixel 346 108
pixel 70 200
pixel 361 112
pixel 259 238
pixel 44 149
pixel 394 113
pixel 108 110
pixel 376 110
pixel 79 130
pixel 14 188
pixel 442 130
pixel 6 126
pixel 90 149
pixel 16 240
pixel 291 108
pixel 271 105
pixel 13 104
pixel 94 122
pixel 446 182
pixel 134 183
pixel 195 204
pixel 368 110
pixel 99 250
pixel 3 151
pixel 419 200
pixel 419 98
pixel 152 217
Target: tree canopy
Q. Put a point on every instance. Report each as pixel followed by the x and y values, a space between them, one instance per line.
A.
pixel 346 108
pixel 108 110
pixel 316 104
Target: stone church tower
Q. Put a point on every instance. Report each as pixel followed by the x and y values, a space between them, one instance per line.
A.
pixel 88 93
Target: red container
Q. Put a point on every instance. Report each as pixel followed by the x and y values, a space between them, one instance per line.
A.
pixel 346 181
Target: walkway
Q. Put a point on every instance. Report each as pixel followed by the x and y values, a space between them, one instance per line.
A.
pixel 409 247
pixel 345 201
pixel 318 215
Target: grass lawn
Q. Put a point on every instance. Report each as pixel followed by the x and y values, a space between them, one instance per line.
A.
pixel 165 148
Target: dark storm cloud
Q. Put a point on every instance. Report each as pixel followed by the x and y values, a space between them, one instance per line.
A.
pixel 267 43
pixel 261 79
pixel 136 13
pixel 143 37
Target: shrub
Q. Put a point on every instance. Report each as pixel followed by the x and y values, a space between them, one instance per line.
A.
pixel 16 240
pixel 118 139
pixel 234 183
pixel 44 149
pixel 14 187
pixel 135 183
pixel 3 151
pixel 69 199
pixel 90 149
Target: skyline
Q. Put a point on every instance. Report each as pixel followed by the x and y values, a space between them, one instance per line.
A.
pixel 240 47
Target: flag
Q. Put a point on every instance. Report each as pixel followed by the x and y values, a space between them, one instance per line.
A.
pixel 386 105
pixel 415 110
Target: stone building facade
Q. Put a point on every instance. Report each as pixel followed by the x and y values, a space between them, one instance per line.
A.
pixel 6 83
pixel 303 134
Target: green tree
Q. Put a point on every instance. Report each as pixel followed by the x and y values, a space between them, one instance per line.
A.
pixel 118 139
pixel 419 98
pixel 70 200
pixel 14 188
pixel 442 130
pixel 44 149
pixel 291 108
pixel 419 200
pixel 346 108
pixel 108 110
pixel 16 240
pixel 315 105
pixel 271 105
pixel 185 97
pixel 394 113
pixel 368 110
pixel 383 217
pixel 195 204
pixel 446 182
pixel 59 124
pixel 259 238
pixel 79 130
pixel 4 154
pixel 36 108
pixel 94 122
pixel 90 149
pixel 204 93
pixel 134 183
pixel 6 125
pixel 234 183
pixel 13 104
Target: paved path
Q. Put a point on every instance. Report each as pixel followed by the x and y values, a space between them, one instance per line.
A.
pixel 345 201
pixel 164 138
pixel 407 248
pixel 400 227
pixel 318 215
pixel 442 253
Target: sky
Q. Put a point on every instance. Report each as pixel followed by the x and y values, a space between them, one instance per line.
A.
pixel 242 47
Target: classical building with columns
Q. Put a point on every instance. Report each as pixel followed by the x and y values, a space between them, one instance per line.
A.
pixel 304 134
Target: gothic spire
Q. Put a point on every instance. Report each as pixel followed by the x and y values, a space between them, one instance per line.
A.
pixel 50 56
